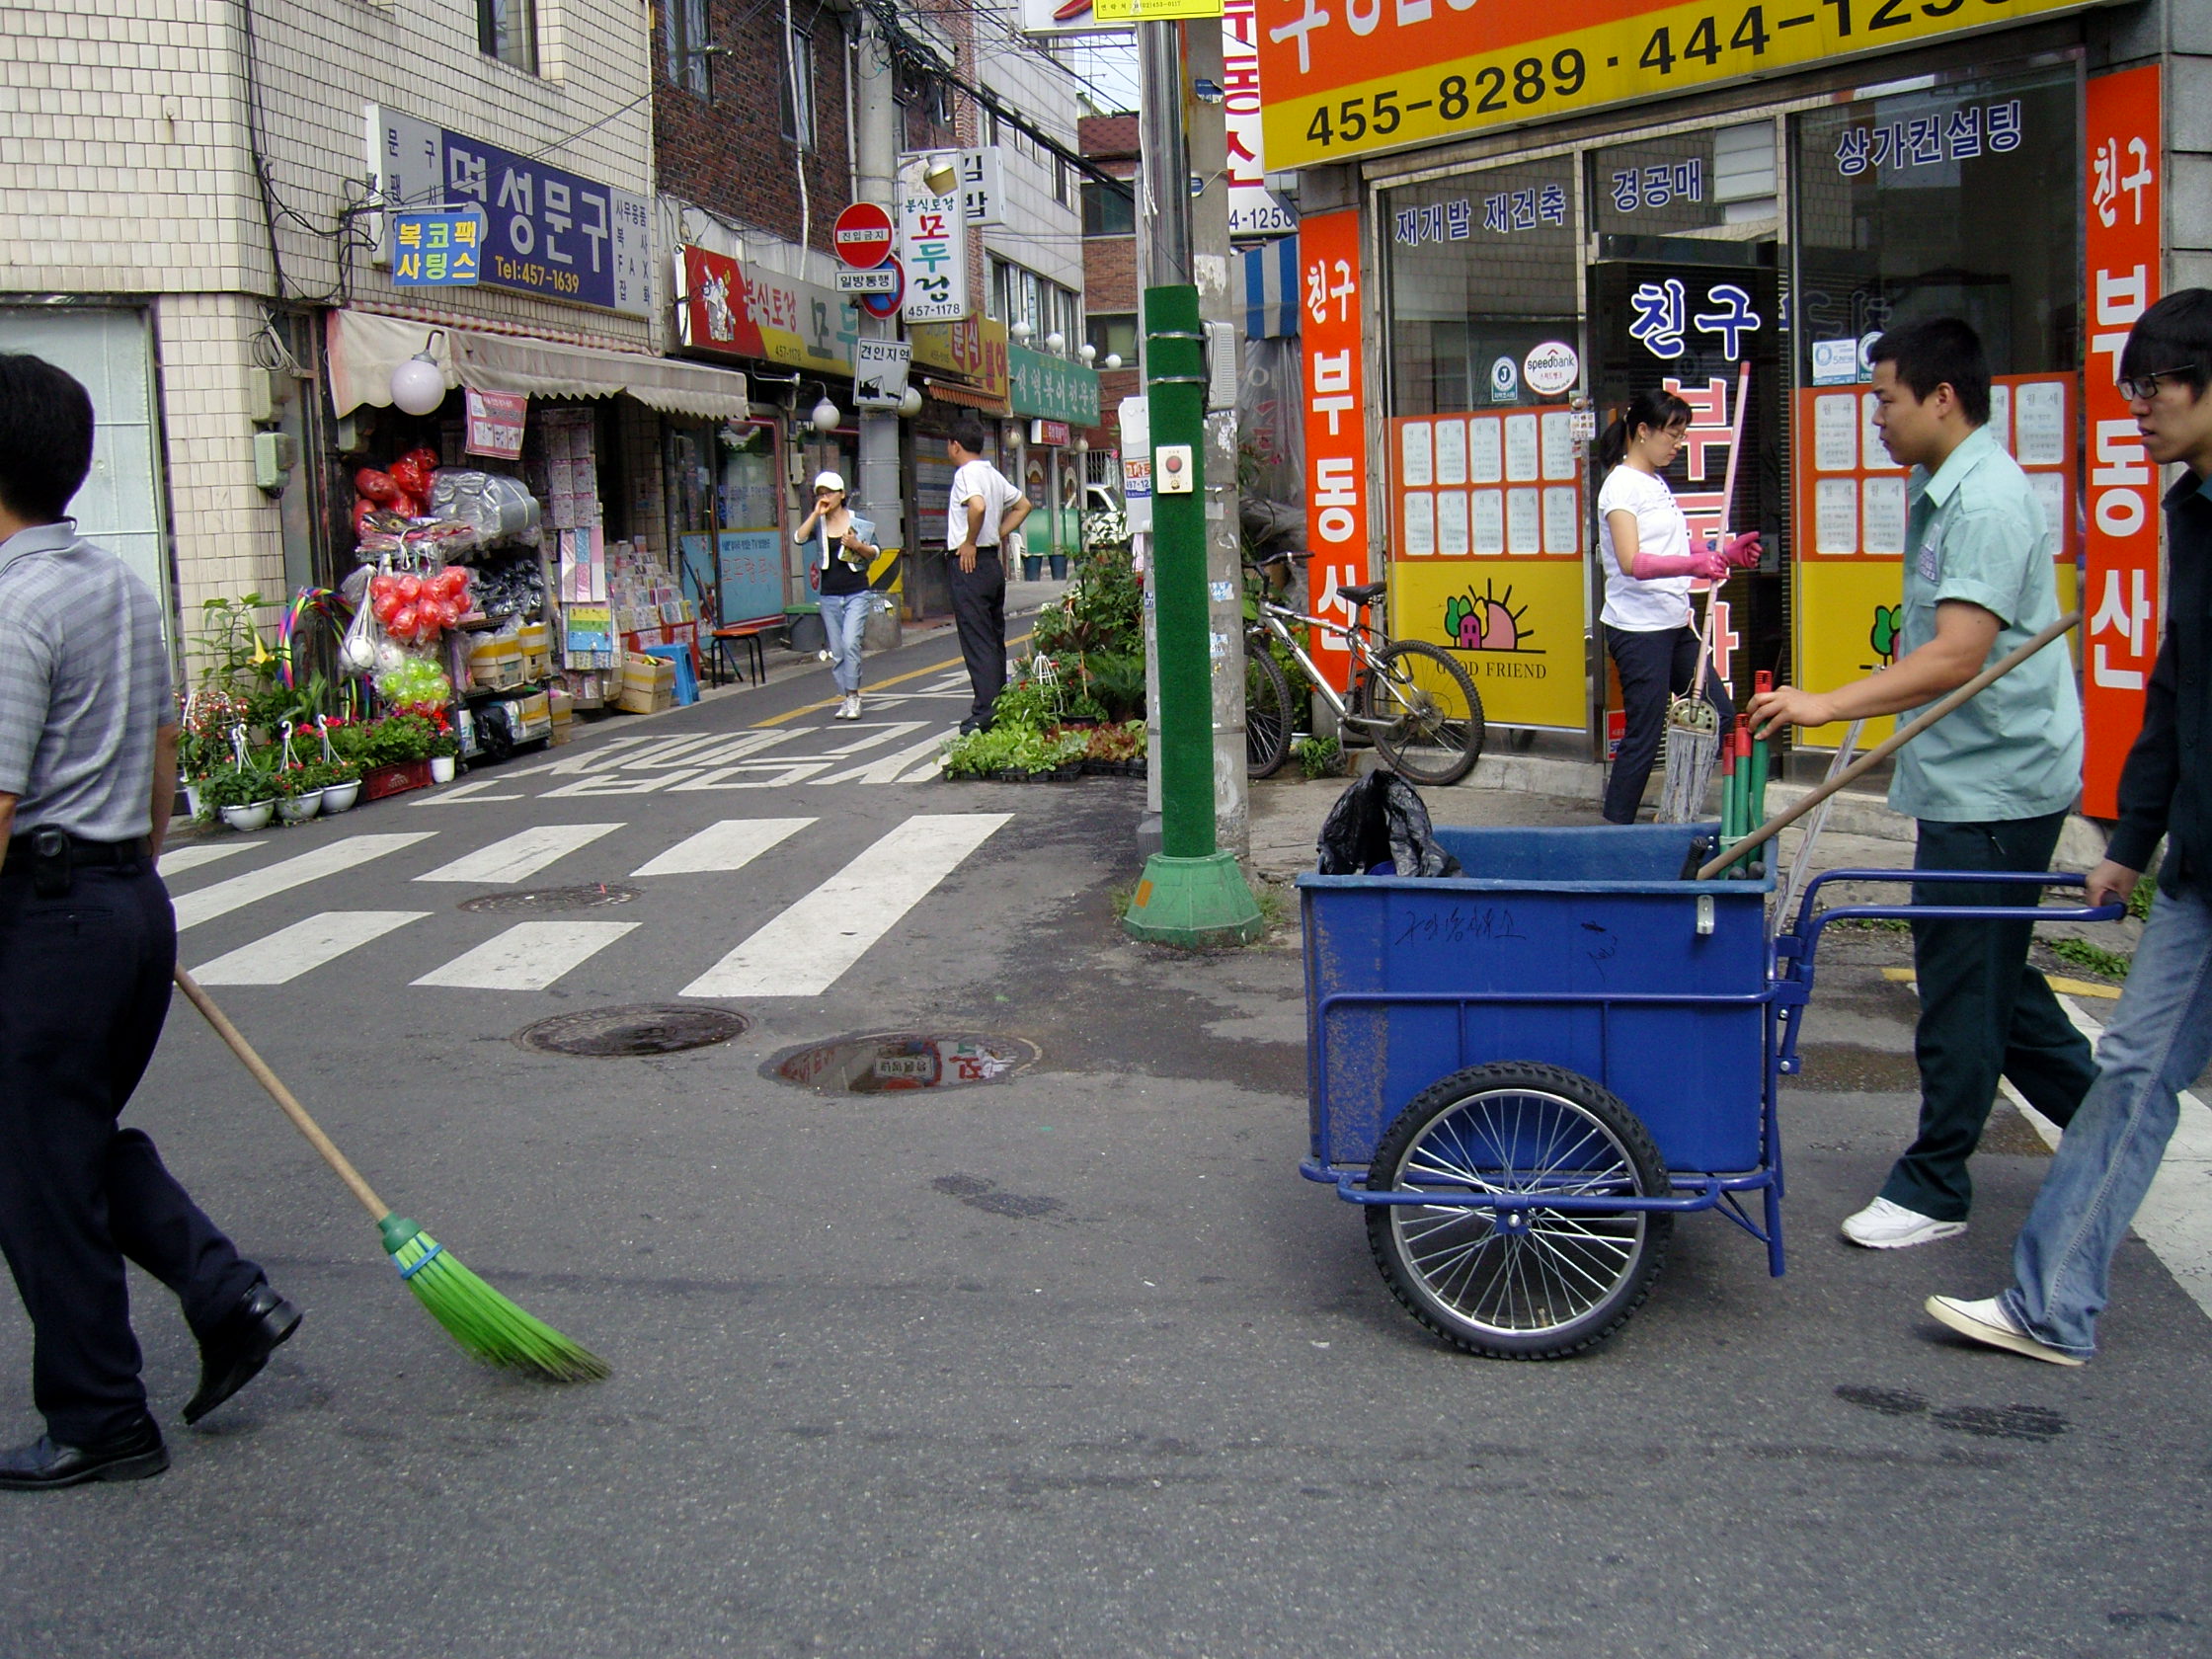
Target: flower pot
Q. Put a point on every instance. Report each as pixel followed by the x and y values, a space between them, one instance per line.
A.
pixel 340 797
pixel 441 769
pixel 247 818
pixel 299 809
pixel 192 803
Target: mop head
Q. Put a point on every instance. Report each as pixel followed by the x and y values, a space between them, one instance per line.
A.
pixel 483 1321
pixel 1692 749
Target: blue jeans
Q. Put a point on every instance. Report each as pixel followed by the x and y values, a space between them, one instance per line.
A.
pixel 844 619
pixel 2160 1039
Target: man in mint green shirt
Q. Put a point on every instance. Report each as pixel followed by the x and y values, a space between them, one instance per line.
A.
pixel 1990 784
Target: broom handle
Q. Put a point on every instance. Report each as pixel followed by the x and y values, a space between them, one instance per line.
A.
pixel 277 1092
pixel 1886 748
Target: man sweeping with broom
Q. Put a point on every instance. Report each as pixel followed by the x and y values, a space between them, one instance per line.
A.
pixel 87 763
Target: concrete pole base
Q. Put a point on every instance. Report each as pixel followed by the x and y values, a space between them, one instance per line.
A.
pixel 1194 902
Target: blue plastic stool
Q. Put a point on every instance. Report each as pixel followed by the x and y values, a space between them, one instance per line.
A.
pixel 687 678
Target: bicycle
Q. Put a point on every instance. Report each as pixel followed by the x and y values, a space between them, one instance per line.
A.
pixel 1413 701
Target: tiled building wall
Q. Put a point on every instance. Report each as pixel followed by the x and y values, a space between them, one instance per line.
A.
pixel 226 532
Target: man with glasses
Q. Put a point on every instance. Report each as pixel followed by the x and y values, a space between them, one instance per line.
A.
pixel 1990 785
pixel 2160 1035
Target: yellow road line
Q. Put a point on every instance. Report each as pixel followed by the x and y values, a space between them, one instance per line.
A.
pixel 881 684
pixel 2065 988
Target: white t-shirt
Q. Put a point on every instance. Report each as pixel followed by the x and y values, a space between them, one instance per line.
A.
pixel 1644 607
pixel 977 478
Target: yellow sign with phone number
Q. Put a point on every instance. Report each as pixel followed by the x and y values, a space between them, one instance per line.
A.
pixel 1313 115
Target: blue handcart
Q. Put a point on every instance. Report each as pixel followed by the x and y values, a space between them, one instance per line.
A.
pixel 1524 1075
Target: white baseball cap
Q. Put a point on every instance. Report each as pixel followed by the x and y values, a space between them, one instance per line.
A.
pixel 829 481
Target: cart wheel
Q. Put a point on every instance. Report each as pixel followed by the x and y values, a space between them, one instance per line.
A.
pixel 1538 1288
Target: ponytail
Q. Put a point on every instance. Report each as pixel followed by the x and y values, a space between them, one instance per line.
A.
pixel 1655 408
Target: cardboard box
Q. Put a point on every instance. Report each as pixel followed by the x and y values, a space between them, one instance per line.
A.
pixel 496 663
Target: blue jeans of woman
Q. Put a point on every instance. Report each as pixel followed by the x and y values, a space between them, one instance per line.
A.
pixel 2160 1039
pixel 844 619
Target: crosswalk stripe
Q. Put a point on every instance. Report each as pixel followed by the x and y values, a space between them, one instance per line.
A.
pixel 806 949
pixel 221 897
pixel 887 768
pixel 175 861
pixel 529 956
pixel 520 856
pixel 730 845
pixel 289 952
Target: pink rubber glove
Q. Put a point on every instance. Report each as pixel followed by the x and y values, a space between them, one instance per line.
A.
pixel 1655 567
pixel 1742 552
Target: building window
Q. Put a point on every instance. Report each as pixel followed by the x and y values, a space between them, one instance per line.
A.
pixel 1063 182
pixel 507 30
pixel 1113 333
pixel 1107 211
pixel 689 66
pixel 796 88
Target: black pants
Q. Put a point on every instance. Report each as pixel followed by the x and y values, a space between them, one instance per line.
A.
pixel 84 988
pixel 1653 667
pixel 1983 1013
pixel 979 610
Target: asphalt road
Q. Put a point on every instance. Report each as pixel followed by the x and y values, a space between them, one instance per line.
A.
pixel 1069 1365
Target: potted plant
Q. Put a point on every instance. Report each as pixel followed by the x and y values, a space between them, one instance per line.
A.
pixel 444 752
pixel 299 794
pixel 341 786
pixel 244 795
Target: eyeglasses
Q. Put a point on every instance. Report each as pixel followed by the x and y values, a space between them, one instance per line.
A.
pixel 2146 386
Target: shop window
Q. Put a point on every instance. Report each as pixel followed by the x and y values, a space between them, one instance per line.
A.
pixel 1483 270
pixel 690 59
pixel 507 30
pixel 1113 334
pixel 1961 200
pixel 1107 211
pixel 795 90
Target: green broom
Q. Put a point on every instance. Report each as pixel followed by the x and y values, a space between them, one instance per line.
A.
pixel 479 1318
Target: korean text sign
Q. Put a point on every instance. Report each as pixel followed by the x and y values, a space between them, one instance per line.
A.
pixel 1336 471
pixel 1349 77
pixel 437 249
pixel 2122 591
pixel 933 247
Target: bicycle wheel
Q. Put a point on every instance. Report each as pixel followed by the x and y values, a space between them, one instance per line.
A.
pixel 1534 1283
pixel 1427 714
pixel 1267 710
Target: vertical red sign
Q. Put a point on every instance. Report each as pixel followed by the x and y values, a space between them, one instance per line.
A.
pixel 2120 587
pixel 1337 482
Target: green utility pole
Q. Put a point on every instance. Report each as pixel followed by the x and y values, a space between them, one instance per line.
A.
pixel 1192 893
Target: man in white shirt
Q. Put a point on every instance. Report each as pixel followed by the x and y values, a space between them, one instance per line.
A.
pixel 985 510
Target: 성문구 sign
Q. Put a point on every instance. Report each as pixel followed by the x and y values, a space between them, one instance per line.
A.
pixel 1352 77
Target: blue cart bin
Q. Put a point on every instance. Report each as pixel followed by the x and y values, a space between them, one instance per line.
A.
pixel 1575 948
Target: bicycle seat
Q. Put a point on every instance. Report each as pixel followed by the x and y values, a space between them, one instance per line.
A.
pixel 1366 594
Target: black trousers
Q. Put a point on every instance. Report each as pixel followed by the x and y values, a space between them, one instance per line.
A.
pixel 84 988
pixel 1653 667
pixel 1983 1013
pixel 979 611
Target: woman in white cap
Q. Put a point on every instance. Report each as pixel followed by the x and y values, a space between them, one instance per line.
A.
pixel 843 543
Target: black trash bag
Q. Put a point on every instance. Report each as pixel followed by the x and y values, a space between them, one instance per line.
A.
pixel 1380 826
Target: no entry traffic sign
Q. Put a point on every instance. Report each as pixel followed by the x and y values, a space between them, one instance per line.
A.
pixel 863 236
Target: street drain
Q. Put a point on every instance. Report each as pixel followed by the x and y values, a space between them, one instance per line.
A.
pixel 652 1028
pixel 552 899
pixel 888 1061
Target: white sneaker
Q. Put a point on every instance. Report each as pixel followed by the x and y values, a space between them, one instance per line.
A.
pixel 1883 1226
pixel 1988 1323
pixel 853 705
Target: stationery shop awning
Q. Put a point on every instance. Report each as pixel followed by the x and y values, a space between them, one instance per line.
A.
pixel 364 349
pixel 952 391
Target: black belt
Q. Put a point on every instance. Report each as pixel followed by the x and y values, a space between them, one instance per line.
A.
pixel 83 855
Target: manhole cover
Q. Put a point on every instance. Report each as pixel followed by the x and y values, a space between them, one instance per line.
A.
pixel 890 1060
pixel 553 899
pixel 651 1029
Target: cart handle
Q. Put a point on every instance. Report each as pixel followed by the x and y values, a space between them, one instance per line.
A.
pixel 1808 925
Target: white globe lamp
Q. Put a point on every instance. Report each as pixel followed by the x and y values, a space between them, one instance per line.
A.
pixel 419 384
pixel 909 403
pixel 1021 331
pixel 825 417
pixel 1113 359
pixel 1056 342
pixel 1087 352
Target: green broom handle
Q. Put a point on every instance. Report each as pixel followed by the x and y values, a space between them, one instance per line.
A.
pixel 277 1092
pixel 1889 745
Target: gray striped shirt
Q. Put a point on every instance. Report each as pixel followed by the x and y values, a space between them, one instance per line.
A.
pixel 84 687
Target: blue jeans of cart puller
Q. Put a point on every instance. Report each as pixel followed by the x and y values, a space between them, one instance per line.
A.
pixel 2160 1039
pixel 844 620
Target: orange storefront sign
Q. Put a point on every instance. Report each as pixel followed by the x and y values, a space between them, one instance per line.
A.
pixel 2120 592
pixel 1337 497
pixel 1343 78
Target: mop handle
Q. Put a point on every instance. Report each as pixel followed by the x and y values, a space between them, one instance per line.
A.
pixel 277 1092
pixel 1886 748
pixel 1727 505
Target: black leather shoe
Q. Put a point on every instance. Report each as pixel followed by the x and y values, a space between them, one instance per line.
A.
pixel 234 1352
pixel 136 1454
